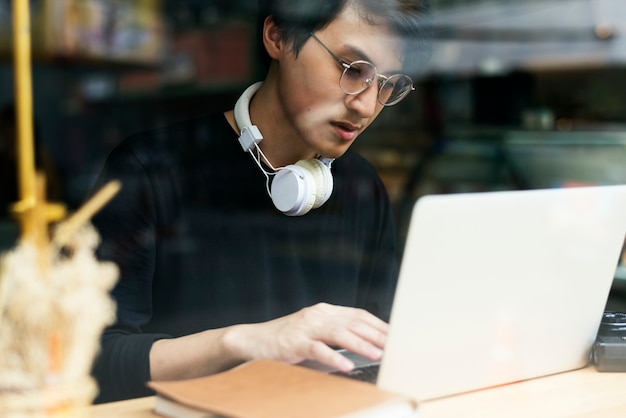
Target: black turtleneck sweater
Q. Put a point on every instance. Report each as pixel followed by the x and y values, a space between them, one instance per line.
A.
pixel 200 245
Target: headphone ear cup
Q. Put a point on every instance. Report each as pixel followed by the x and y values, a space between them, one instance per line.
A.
pixel 322 177
pixel 293 190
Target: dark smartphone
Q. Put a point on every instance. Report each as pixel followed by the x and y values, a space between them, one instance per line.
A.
pixel 609 349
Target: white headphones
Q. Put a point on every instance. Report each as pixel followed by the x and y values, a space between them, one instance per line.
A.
pixel 296 188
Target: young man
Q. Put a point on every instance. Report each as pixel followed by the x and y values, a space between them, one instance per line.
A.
pixel 213 273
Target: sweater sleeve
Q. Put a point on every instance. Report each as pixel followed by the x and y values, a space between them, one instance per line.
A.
pixel 127 226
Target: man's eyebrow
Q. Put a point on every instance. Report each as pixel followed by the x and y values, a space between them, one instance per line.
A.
pixel 362 55
pixel 359 53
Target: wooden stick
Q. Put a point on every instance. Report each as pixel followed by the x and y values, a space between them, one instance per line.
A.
pixel 68 227
pixel 24 113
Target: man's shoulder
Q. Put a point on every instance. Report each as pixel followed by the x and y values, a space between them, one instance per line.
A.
pixel 192 136
pixel 351 162
pixel 186 130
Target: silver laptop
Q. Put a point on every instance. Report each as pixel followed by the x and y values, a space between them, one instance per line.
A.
pixel 498 287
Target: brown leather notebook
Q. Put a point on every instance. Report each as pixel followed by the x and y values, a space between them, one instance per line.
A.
pixel 270 389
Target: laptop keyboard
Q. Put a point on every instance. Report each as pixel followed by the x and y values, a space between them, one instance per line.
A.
pixel 366 373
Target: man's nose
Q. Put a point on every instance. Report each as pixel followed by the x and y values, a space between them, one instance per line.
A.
pixel 365 103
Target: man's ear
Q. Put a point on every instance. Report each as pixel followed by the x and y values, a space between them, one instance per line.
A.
pixel 272 38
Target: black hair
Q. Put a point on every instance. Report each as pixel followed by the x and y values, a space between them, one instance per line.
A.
pixel 296 19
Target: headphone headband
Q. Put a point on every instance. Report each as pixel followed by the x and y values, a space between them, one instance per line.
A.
pixel 296 188
pixel 249 133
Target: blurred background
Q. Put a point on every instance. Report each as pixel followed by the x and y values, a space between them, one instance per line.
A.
pixel 519 94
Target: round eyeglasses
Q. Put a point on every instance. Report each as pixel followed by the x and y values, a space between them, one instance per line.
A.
pixel 359 75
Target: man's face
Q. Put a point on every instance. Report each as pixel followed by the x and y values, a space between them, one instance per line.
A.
pixel 324 118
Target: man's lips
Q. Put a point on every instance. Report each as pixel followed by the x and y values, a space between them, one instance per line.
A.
pixel 346 131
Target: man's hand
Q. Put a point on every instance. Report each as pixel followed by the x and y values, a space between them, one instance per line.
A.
pixel 310 334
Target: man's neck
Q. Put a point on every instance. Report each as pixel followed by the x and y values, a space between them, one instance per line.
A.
pixel 280 147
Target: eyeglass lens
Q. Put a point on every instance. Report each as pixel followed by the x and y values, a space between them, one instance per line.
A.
pixel 361 74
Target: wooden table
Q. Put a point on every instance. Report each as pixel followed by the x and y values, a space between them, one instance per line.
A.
pixel 582 393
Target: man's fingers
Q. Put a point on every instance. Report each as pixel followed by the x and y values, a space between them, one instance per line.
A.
pixel 374 336
pixel 357 344
pixel 326 355
pixel 353 329
pixel 312 332
pixel 373 321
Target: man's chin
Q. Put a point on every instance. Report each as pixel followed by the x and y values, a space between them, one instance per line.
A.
pixel 335 152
